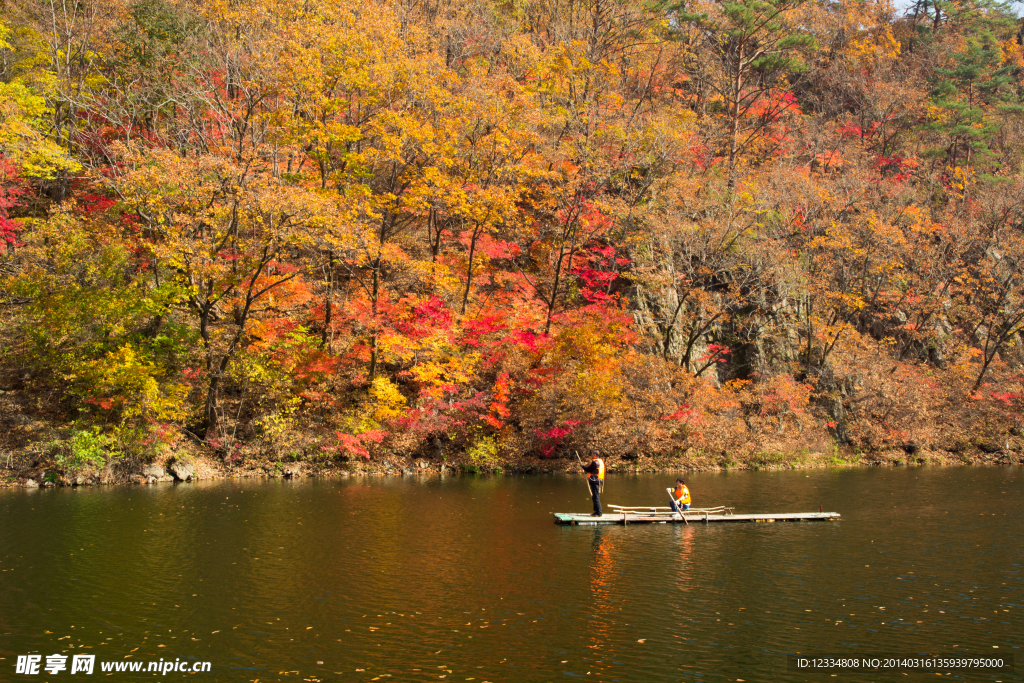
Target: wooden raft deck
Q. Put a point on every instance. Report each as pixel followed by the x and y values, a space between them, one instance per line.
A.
pixel 658 517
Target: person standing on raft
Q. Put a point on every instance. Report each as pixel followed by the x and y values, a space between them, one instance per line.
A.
pixel 680 496
pixel 595 477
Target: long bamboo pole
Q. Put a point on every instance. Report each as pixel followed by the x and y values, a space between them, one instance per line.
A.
pixel 586 480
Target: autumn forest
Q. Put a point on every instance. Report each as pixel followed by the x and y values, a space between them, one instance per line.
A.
pixel 483 230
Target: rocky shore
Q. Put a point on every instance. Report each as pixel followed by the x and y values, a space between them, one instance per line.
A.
pixel 190 468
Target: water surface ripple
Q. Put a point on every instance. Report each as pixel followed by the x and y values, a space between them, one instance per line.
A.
pixel 468 579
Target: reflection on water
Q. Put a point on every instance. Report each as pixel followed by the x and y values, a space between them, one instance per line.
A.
pixel 603 591
pixel 469 579
pixel 685 540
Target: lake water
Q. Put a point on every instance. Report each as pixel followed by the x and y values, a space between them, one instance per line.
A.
pixel 469 579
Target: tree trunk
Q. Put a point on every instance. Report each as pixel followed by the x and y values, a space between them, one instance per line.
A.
pixel 373 309
pixel 469 268
pixel 735 123
pixel 210 415
pixel 810 335
pixel 327 338
pixel 554 289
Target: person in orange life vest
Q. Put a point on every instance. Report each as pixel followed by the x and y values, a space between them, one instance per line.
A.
pixel 595 477
pixel 680 496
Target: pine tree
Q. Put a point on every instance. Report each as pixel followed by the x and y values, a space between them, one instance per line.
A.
pixel 757 46
pixel 976 89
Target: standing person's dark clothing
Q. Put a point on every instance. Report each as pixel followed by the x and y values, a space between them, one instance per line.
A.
pixel 595 470
pixel 595 493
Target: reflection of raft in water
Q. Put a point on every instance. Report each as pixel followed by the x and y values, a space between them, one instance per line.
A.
pixel 665 515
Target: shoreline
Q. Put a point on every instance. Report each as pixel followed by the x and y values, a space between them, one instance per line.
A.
pixel 205 468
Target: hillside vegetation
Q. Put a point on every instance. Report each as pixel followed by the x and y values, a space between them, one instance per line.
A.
pixel 483 230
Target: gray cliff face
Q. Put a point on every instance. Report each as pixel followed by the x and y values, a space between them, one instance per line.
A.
pixel 773 329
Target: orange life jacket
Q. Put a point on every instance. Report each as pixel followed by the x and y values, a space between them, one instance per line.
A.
pixel 682 494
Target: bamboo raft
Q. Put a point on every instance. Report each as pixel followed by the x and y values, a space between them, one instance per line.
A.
pixel 665 515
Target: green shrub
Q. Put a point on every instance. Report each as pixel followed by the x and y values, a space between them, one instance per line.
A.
pixel 769 458
pixel 88 448
pixel 483 455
